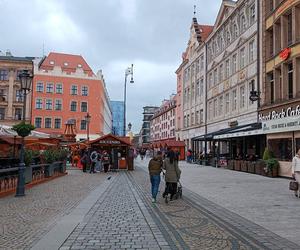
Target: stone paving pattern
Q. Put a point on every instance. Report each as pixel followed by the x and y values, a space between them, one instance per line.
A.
pixel 24 220
pixel 117 221
pixel 197 220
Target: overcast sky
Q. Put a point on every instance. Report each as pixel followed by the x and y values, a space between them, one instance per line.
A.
pixel 110 35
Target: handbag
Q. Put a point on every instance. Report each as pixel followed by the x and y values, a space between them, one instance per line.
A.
pixel 294 186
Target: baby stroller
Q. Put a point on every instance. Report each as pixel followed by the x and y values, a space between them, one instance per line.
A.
pixel 176 196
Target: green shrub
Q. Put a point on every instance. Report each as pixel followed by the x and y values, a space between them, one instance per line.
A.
pixel 28 156
pixel 272 164
pixel 266 155
pixel 23 129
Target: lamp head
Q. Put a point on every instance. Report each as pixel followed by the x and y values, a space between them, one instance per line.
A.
pixel 25 80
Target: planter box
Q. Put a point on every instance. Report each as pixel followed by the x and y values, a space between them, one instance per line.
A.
pixel 237 165
pixel 251 167
pixel 230 164
pixel 273 173
pixel 259 167
pixel 244 166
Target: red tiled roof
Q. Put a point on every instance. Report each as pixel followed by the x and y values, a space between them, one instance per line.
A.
pixel 205 31
pixel 67 62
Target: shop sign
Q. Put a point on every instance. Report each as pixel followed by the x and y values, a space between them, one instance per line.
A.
pixel 284 113
pixel 282 125
pixel 108 142
pixel 284 55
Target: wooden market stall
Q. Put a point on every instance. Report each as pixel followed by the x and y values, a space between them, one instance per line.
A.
pixel 119 149
pixel 177 146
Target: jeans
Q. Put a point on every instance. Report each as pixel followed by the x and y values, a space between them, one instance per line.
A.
pixel 155 180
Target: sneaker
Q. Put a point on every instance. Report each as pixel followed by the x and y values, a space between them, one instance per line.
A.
pixel 153 200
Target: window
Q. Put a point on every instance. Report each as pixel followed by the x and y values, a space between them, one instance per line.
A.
pixel 2 113
pixel 84 91
pixel 270 79
pixel 3 75
pixel 58 104
pixel 192 119
pixel 215 108
pixel 281 148
pixel 290 29
pixel 210 80
pixel 235 31
pixel 38 122
pixel 210 110
pixel 19 95
pixel 234 100
pixel 221 73
pixel 73 106
pixel 57 123
pixel 243 23
pixel 252 14
pixel 48 104
pixel 242 97
pixel 290 80
pixel 251 88
pixel 201 87
pixel 242 58
pixel 228 37
pixel 234 66
pixel 18 114
pixel 188 120
pixel 197 117
pixel 221 106
pixel 251 51
pixel 83 107
pixel 39 87
pixel 197 66
pixel 59 88
pixel 48 123
pixel 215 76
pixel 201 63
pixel 38 103
pixel 270 42
pixel 201 116
pixel 227 68
pixel 198 88
pixel 227 102
pixel 73 90
pixel 49 88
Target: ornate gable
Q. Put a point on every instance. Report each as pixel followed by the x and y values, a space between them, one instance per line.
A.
pixel 225 9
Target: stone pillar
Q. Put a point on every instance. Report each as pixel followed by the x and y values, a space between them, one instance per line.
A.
pixel 284 73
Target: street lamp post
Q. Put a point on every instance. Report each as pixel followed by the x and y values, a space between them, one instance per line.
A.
pixel 128 71
pixel 26 81
pixel 88 119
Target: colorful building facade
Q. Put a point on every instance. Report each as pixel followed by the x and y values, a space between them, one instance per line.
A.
pixel 65 88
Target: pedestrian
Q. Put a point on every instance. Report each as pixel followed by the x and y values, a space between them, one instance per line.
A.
pixel 84 160
pixel 155 167
pixel 98 162
pixel 296 170
pixel 105 161
pixel 93 157
pixel 172 174
pixel 189 156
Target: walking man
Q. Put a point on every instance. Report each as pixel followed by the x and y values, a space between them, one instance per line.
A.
pixel 154 167
pixel 296 170
pixel 94 156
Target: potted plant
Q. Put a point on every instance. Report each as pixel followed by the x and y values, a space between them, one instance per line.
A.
pixel 271 168
pixel 23 129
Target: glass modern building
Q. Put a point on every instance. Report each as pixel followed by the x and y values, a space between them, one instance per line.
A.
pixel 118 117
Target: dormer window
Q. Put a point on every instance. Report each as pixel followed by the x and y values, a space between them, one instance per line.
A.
pixel 52 62
pixel 66 64
pixel 79 66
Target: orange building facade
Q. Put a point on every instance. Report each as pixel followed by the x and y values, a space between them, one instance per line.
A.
pixel 65 88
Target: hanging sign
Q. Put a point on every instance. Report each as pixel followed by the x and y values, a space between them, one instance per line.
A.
pixel 284 55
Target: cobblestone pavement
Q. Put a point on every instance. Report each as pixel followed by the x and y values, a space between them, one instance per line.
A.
pixel 118 220
pixel 198 223
pixel 24 220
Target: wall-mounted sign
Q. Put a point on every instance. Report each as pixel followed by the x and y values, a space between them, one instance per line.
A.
pixel 283 113
pixel 284 55
pixel 287 124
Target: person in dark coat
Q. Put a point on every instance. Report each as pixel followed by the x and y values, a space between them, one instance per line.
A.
pixel 105 161
pixel 172 174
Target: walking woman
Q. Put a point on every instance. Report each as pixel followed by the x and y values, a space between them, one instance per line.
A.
pixel 154 167
pixel 172 174
pixel 296 170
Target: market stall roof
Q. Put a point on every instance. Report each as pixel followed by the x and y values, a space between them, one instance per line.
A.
pixel 111 140
pixel 10 140
pixel 8 131
pixel 168 143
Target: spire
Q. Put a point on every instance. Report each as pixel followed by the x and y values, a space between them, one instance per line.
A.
pixel 195 10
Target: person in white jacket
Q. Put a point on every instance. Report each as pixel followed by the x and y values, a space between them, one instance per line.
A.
pixel 296 170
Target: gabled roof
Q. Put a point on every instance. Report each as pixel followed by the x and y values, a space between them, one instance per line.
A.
pixel 226 6
pixel 67 62
pixel 110 137
pixel 205 31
